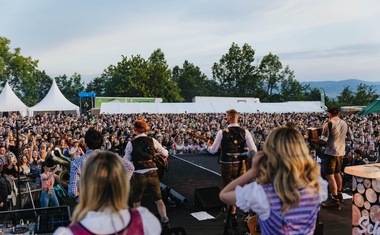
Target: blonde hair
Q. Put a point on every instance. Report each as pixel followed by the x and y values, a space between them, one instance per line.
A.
pixel 103 184
pixel 288 166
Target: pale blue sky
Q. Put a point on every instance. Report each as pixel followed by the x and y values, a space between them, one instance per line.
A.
pixel 319 39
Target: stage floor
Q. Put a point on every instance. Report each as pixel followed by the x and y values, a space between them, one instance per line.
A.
pixel 188 172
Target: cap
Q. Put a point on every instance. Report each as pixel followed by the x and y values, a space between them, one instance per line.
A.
pixel 2 144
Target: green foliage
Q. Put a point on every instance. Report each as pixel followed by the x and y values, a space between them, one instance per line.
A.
pixel 291 89
pixel 97 85
pixel 269 70
pixel 137 77
pixel 312 94
pixel 19 71
pixel 236 72
pixel 191 81
pixel 365 94
pixel 346 97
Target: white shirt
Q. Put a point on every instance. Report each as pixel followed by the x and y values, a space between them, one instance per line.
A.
pixel 259 203
pixel 101 222
pixel 159 150
pixel 219 136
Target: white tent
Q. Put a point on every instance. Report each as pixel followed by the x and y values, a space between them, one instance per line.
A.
pixel 286 107
pixel 10 102
pixel 54 101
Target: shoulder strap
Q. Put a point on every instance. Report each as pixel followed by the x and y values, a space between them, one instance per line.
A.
pixel 135 226
pixel 330 126
pixel 78 228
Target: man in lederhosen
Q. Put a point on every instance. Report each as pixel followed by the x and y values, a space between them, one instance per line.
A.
pixel 141 152
pixel 233 140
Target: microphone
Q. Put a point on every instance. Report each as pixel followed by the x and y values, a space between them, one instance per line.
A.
pixel 242 156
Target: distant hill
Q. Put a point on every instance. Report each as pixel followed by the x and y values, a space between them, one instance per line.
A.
pixel 334 88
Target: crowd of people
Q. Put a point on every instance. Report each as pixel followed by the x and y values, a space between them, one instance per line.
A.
pixel 178 133
pixel 25 142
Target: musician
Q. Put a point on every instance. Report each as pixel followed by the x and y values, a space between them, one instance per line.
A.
pixel 233 140
pixel 334 137
pixel 47 181
pixel 141 151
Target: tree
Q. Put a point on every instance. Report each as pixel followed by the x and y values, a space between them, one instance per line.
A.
pixel 365 94
pixel 190 80
pixel 235 72
pixel 313 94
pixel 33 96
pixel 70 87
pixel 269 70
pixel 137 77
pixel 19 71
pixel 346 97
pixel 97 85
pixel 291 89
pixel 159 83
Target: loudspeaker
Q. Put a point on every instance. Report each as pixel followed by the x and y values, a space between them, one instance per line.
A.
pixel 207 198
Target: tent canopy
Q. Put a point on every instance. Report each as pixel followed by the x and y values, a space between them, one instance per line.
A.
pixel 10 102
pixel 372 107
pixel 287 107
pixel 54 101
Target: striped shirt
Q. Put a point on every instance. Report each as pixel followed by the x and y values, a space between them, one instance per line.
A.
pixel 265 202
pixel 76 167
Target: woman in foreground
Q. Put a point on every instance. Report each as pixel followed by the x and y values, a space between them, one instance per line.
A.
pixel 287 190
pixel 103 201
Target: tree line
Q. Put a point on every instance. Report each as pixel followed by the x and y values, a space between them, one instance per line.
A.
pixel 236 74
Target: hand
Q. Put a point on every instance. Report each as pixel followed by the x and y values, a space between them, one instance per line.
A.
pixel 2 204
pixel 58 168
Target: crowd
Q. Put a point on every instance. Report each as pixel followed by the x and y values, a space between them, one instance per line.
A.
pixel 178 133
pixel 32 138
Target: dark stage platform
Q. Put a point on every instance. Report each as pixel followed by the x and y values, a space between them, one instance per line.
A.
pixel 190 172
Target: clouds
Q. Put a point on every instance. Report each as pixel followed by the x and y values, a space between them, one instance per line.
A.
pixel 87 36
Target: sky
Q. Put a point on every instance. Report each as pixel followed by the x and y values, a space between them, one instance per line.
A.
pixel 319 40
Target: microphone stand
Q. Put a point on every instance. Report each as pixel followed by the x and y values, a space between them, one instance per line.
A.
pixel 18 162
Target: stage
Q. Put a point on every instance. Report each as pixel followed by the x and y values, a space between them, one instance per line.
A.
pixel 188 172
pixel 199 174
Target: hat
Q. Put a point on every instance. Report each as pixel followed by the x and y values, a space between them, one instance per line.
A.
pixel 75 141
pixel 333 110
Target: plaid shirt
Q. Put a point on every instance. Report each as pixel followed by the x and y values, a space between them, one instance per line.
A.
pixel 76 169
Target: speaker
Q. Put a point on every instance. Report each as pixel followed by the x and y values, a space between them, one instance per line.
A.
pixel 207 198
